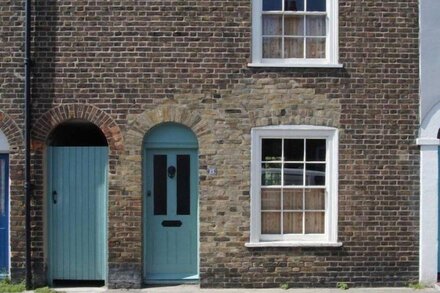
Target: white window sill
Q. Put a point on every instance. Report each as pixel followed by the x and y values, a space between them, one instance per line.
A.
pixel 297 65
pixel 293 244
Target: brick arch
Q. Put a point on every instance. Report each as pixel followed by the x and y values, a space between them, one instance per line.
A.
pixel 130 263
pixel 143 122
pixel 49 120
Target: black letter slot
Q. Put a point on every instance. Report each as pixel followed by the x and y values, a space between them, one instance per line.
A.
pixel 171 223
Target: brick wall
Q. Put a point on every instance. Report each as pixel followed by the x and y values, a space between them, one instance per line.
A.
pixel 132 64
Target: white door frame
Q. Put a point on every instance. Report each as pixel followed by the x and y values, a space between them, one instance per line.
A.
pixel 429 203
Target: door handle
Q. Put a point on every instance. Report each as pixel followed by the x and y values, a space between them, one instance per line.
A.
pixel 54 196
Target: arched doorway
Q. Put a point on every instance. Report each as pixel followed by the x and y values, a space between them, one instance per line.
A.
pixel 4 206
pixel 171 243
pixel 77 188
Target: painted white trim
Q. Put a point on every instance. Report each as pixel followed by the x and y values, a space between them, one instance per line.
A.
pixel 332 43
pixel 428 141
pixel 294 65
pixel 331 216
pixel 429 203
pixel 294 244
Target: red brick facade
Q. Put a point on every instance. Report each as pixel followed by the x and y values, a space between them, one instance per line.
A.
pixel 129 65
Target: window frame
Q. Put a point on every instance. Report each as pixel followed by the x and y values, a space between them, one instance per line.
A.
pixel 330 134
pixel 332 40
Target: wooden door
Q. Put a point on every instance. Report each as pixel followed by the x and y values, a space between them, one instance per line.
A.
pixel 77 192
pixel 171 217
pixel 4 215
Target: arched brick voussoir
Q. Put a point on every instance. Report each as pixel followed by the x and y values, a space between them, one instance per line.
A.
pixel 49 120
pixel 139 125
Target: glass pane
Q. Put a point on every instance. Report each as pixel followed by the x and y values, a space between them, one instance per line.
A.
pixel 315 199
pixel 294 25
pixel 315 48
pixel 315 25
pixel 272 25
pixel 294 149
pixel 316 5
pixel 160 184
pixel 293 174
pixel 315 174
pixel 3 187
pixel 294 48
pixel 272 5
pixel 315 222
pixel 272 47
pixel 270 223
pixel 292 223
pixel 315 150
pixel 270 199
pixel 293 199
pixel 271 150
pixel 294 5
pixel 183 185
pixel 270 174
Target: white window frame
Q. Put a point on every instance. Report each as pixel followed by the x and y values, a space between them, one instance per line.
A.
pixel 330 134
pixel 331 51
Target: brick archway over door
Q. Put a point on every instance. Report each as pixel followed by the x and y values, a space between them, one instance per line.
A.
pixel 40 132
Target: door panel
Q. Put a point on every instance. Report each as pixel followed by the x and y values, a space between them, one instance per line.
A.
pixel 171 241
pixel 4 214
pixel 77 193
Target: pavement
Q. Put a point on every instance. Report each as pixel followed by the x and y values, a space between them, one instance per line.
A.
pixel 196 289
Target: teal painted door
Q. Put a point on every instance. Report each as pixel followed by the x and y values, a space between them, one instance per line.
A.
pixel 4 215
pixel 171 216
pixel 77 192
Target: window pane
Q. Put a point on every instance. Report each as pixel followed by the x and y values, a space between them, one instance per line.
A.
pixel 294 48
pixel 315 199
pixel 271 150
pixel 270 223
pixel 272 5
pixel 270 199
pixel 183 185
pixel 293 174
pixel 160 184
pixel 315 25
pixel 294 5
pixel 294 149
pixel 315 48
pixel 293 25
pixel 315 150
pixel 270 174
pixel 314 222
pixel 272 25
pixel 293 199
pixel 316 5
pixel 272 47
pixel 315 174
pixel 292 223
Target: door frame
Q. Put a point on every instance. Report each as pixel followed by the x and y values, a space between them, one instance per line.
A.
pixel 429 143
pixel 158 143
pixel 48 216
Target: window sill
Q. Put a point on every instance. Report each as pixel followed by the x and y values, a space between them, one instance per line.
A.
pixel 297 65
pixel 293 244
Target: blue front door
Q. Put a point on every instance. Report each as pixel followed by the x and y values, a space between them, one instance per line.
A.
pixel 4 215
pixel 170 224
pixel 77 193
